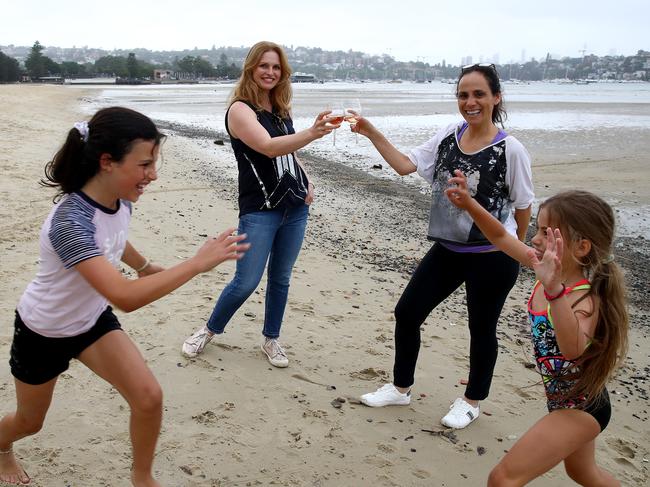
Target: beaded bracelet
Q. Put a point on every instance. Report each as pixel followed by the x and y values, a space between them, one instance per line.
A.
pixel 558 295
pixel 144 266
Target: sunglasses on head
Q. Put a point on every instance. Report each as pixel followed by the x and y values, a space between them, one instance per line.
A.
pixel 479 65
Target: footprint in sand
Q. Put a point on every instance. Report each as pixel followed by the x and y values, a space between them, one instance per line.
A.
pixel 208 417
pixel 369 374
pixel 383 338
pixel 385 448
pixel 372 351
pixel 622 447
pixel 523 392
pixel 306 308
pixel 421 474
pixel 378 461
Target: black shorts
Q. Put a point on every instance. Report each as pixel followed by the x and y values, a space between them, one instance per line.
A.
pixel 37 359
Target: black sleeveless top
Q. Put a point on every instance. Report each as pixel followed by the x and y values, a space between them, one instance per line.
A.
pixel 268 183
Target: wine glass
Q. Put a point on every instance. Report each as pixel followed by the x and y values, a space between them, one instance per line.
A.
pixel 352 112
pixel 335 118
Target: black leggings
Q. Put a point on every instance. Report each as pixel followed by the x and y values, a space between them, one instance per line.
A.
pixel 488 278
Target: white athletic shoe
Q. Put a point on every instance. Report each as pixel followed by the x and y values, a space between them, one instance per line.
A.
pixel 460 414
pixel 195 344
pixel 386 395
pixel 275 353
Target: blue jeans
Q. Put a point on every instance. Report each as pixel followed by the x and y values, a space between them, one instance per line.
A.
pixel 275 236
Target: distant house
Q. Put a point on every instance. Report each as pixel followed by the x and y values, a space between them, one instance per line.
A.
pixel 161 74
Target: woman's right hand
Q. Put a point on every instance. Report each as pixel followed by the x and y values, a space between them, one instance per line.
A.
pixel 322 125
pixel 218 249
pixel 362 125
pixel 457 192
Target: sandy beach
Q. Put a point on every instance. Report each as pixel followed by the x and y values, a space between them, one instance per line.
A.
pixel 230 419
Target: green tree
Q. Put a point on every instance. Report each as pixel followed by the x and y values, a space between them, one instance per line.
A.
pixel 145 70
pixel 112 66
pixel 71 68
pixel 233 71
pixel 203 68
pixel 50 66
pixel 222 66
pixel 195 66
pixel 9 68
pixel 35 62
pixel 132 66
pixel 186 65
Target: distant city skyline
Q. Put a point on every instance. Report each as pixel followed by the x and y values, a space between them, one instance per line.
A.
pixel 418 30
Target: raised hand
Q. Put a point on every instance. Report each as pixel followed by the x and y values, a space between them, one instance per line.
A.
pixel 323 124
pixel 218 249
pixel 457 192
pixel 361 125
pixel 548 268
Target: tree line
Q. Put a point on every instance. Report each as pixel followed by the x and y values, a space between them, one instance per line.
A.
pixel 37 65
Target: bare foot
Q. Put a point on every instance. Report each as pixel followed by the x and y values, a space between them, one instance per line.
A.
pixel 143 480
pixel 10 470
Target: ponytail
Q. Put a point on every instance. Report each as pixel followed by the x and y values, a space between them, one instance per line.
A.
pixel 609 343
pixel 67 170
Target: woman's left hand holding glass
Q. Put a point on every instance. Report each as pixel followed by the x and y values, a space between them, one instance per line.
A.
pixel 322 125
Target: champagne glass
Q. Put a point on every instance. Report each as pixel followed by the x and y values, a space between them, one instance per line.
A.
pixel 352 112
pixel 336 117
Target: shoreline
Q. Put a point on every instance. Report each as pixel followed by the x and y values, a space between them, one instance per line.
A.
pixel 632 253
pixel 266 425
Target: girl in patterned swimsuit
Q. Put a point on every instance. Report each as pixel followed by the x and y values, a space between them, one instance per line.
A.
pixel 101 169
pixel 579 330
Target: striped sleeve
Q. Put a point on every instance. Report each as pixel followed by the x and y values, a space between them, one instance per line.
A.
pixel 72 232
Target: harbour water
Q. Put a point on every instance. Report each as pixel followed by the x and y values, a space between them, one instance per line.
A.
pixel 549 118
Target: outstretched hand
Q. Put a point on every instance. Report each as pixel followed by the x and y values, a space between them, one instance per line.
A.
pixel 457 193
pixel 548 269
pixel 360 125
pixel 322 125
pixel 218 249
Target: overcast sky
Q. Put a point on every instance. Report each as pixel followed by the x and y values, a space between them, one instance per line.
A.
pixel 426 30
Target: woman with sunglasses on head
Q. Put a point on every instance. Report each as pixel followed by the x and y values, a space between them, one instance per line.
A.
pixel 499 175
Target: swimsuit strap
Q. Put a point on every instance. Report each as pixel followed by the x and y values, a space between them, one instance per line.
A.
pixel 578 286
pixel 581 285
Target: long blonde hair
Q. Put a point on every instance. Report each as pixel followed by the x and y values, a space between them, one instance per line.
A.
pixel 247 90
pixel 583 215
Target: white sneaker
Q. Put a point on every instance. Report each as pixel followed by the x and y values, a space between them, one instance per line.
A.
pixel 274 352
pixel 387 395
pixel 460 414
pixel 195 344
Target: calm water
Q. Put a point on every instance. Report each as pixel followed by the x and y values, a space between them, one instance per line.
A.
pixel 407 113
